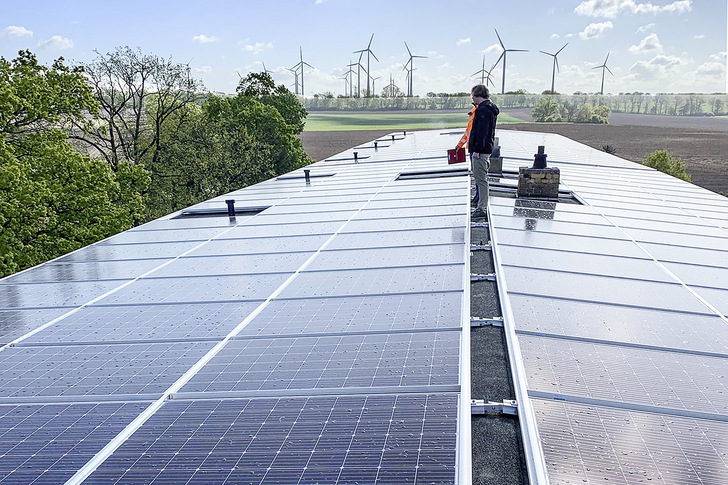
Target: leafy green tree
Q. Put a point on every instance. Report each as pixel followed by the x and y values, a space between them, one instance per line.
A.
pixel 52 198
pixel 547 110
pixel 664 162
pixel 261 87
pixel 226 144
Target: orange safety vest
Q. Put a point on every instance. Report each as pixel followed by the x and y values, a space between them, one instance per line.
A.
pixel 464 140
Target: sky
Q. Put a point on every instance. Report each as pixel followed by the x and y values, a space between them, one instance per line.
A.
pixel 661 47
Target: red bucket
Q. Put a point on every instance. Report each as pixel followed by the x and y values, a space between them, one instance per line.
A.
pixel 456 155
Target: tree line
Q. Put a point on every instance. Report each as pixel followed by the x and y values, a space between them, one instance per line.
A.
pixel 638 103
pixel 90 150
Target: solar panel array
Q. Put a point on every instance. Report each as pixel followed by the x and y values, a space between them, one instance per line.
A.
pixel 320 339
pixel 316 341
pixel 619 311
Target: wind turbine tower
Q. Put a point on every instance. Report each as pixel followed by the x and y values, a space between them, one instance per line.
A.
pixel 555 66
pixel 603 67
pixel 368 50
pixel 300 66
pixel 484 74
pixel 503 56
pixel 411 69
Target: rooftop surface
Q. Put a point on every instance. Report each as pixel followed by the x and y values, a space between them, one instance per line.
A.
pixel 323 333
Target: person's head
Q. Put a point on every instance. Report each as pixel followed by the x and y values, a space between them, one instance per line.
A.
pixel 480 91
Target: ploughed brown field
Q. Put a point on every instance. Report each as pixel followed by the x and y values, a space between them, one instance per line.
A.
pixel 701 142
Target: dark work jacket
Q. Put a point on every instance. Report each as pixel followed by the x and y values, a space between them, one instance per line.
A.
pixel 483 132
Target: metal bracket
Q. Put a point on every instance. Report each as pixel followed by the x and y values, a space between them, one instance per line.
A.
pixel 481 247
pixel 508 407
pixel 486 322
pixel 479 224
pixel 482 277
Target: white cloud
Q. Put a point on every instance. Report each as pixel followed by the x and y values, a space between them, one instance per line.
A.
pixel 711 69
pixel 203 39
pixel 659 67
pixel 593 31
pixel 611 8
pixel 645 28
pixel 651 43
pixel 256 48
pixel 555 36
pixel 493 48
pixel 701 36
pixel 14 31
pixel 463 42
pixel 719 57
pixel 202 69
pixel 56 42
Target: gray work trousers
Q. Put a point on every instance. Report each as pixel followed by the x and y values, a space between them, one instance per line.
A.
pixel 480 172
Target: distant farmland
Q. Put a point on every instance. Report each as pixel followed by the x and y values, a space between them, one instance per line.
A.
pixel 400 120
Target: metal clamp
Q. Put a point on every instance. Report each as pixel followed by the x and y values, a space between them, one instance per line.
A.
pixel 486 322
pixel 508 407
pixel 481 247
pixel 482 277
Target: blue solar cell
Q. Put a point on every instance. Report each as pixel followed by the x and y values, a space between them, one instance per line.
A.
pixel 16 323
pixel 94 370
pixel 97 323
pixel 358 314
pixel 88 271
pixel 399 439
pixel 388 257
pixel 405 359
pixel 377 281
pixel 53 294
pixel 198 289
pixel 47 444
pixel 117 252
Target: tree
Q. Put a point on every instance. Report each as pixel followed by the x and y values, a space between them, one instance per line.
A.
pixel 547 110
pixel 260 86
pixel 138 94
pixel 53 199
pixel 664 162
pixel 226 144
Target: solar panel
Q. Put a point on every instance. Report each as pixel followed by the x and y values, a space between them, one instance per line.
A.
pixel 416 311
pixel 382 360
pixel 345 439
pixel 159 322
pixel 95 370
pixel 48 443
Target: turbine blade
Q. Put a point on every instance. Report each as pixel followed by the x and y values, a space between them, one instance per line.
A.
pixel 372 53
pixel 499 39
pixel 547 53
pixel 557 52
pixel 408 49
pixel 610 71
pixel 557 63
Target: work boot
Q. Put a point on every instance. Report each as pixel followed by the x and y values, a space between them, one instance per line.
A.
pixel 479 213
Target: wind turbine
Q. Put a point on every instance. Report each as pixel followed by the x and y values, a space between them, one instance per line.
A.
pixel 503 55
pixel 350 73
pixel 359 67
pixel 300 66
pixel 556 65
pixel 411 68
pixel 484 74
pixel 374 79
pixel 391 86
pixel 603 67
pixel 295 73
pixel 264 69
pixel 368 50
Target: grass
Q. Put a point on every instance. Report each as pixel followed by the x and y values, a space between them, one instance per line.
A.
pixel 389 121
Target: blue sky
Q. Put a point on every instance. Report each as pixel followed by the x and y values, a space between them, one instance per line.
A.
pixel 666 46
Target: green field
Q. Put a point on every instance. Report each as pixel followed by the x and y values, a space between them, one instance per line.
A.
pixel 390 121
